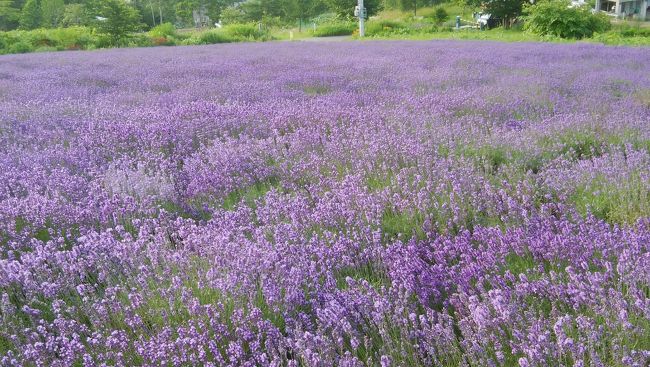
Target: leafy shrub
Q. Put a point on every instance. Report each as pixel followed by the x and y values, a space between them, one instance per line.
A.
pixel 556 18
pixel 48 49
pixel 439 15
pixel 20 47
pixel 245 32
pixel 4 42
pixel 213 36
pixel 382 27
pixel 162 41
pixel 139 40
pixel 121 20
pixel 335 29
pixel 164 30
pixel 633 31
pixel 616 38
pixel 73 38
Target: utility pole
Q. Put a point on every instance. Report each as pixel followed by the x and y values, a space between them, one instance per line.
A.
pixel 360 11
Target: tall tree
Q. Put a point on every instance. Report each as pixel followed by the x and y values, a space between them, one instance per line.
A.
pixel 407 5
pixel 505 10
pixel 118 20
pixel 9 15
pixel 52 12
pixel 301 10
pixel 75 14
pixel 345 8
pixel 31 15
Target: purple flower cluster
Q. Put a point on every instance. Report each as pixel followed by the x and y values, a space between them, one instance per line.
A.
pixel 350 204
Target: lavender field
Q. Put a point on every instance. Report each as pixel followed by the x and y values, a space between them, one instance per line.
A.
pixel 334 204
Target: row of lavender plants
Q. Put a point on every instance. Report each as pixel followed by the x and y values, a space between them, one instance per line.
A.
pixel 349 204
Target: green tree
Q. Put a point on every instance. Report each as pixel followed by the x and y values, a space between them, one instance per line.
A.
pixel 506 10
pixel 233 14
pixel 556 18
pixel 410 5
pixel 52 12
pixel 118 20
pixel 31 15
pixel 183 10
pixel 75 14
pixel 301 10
pixel 345 8
pixel 440 15
pixel 9 15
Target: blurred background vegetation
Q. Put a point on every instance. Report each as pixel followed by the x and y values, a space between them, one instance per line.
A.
pixel 49 25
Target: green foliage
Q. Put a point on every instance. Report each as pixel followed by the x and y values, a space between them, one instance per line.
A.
pixel 231 33
pixel 245 32
pixel 249 195
pixel 9 15
pixel 120 20
pixel 624 35
pixel 31 15
pixel 73 38
pixel 506 10
pixel 556 18
pixel 75 15
pixel 20 48
pixel 214 36
pixel 440 15
pixel 409 5
pixel 163 30
pixel 633 31
pixel 182 10
pixel 335 29
pixel 375 276
pixel 385 27
pixel 345 8
pixel 395 225
pixel 620 203
pixel 52 12
pixel 233 15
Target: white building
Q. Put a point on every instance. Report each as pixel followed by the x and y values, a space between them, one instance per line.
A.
pixel 637 9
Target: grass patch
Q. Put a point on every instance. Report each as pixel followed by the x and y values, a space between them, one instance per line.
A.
pixel 378 182
pixel 316 90
pixel 617 203
pixel 643 96
pixel 335 29
pixel 248 195
pixel 376 277
pixel 402 226
pixel 386 27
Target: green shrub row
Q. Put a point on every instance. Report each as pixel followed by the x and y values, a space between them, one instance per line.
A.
pixel 82 38
pixel 73 38
pixel 335 29
pixel 230 33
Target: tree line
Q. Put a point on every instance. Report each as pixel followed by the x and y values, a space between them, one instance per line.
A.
pixel 145 14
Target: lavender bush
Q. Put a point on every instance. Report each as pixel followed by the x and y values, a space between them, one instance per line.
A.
pixel 350 204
